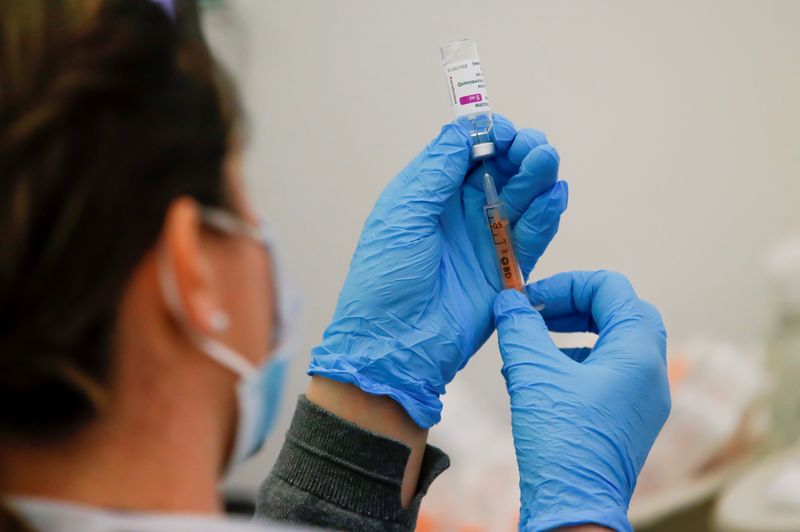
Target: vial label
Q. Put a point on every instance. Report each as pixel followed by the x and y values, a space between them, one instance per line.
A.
pixel 466 87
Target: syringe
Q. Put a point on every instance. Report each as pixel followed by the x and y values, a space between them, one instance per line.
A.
pixel 500 228
pixel 468 98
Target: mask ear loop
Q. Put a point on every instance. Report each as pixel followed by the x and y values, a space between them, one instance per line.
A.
pixel 221 353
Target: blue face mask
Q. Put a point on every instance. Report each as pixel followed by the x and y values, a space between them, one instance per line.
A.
pixel 259 389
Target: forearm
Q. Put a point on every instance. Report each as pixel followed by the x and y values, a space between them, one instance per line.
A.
pixel 334 474
pixel 378 414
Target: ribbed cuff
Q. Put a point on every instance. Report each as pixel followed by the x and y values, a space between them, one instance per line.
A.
pixel 353 468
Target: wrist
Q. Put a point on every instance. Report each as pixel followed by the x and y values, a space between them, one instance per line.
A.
pixel 376 413
pixel 351 363
pixel 590 520
pixel 570 495
pixel 572 509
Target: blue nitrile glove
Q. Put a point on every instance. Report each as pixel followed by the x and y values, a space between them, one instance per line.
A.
pixel 583 419
pixel 417 302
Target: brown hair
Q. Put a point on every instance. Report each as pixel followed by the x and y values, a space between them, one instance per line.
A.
pixel 109 111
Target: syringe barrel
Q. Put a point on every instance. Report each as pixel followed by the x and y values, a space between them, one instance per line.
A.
pixel 500 229
pixel 467 91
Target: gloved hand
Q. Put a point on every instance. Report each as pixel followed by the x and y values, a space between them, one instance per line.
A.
pixel 417 302
pixel 583 419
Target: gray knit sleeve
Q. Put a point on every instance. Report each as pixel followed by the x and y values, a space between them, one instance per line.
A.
pixel 333 474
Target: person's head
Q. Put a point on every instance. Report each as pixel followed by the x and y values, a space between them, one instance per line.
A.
pixel 117 132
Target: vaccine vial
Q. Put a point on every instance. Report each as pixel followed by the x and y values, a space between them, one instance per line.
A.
pixel 467 91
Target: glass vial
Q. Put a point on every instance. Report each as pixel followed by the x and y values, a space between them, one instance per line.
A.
pixel 467 91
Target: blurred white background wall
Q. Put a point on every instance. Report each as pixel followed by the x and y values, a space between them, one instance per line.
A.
pixel 677 124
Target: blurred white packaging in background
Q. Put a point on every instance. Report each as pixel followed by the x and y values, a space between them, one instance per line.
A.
pixel 480 491
pixel 783 350
pixel 718 418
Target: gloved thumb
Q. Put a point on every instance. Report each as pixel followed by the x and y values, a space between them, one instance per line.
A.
pixel 526 347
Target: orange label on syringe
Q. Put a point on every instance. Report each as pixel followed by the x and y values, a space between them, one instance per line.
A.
pixel 500 228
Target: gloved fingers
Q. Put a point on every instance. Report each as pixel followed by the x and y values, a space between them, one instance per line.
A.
pixel 504 134
pixel 525 343
pixel 652 315
pixel 627 327
pixel 525 141
pixel 578 354
pixel 553 296
pixel 507 163
pixel 537 173
pixel 607 296
pixel 538 225
pixel 419 194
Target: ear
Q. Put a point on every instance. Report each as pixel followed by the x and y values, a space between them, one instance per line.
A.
pixel 186 258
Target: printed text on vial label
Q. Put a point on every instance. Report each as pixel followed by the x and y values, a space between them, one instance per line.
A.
pixel 467 88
